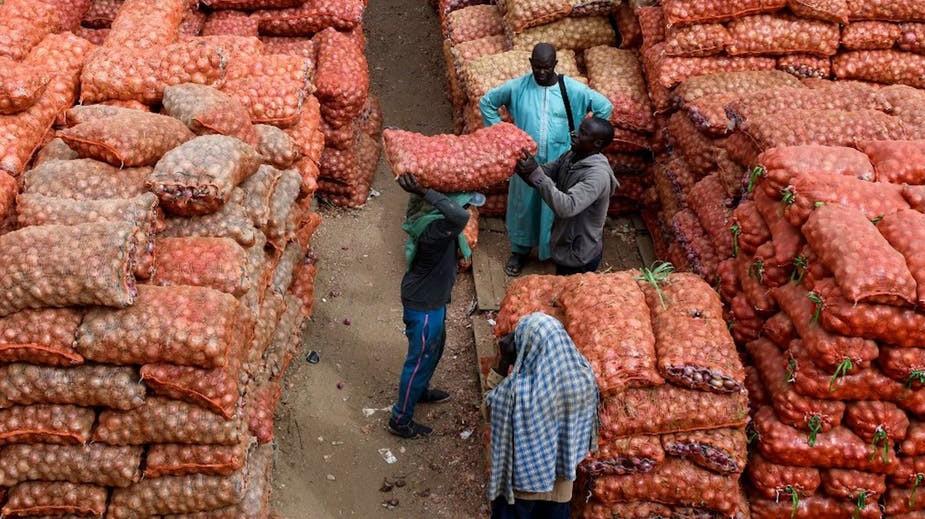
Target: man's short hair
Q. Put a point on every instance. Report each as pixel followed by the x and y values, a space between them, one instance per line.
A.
pixel 602 129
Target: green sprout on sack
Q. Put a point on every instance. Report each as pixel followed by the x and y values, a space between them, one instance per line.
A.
pixel 794 500
pixel 840 372
pixel 861 503
pixel 736 231
pixel 815 427
pixel 917 376
pixel 880 442
pixel 791 375
pixel 820 304
pixel 756 270
pixel 656 275
pixel 817 204
pixel 753 176
pixel 751 434
pixel 919 478
pixel 877 219
pixel 800 265
pixel 787 196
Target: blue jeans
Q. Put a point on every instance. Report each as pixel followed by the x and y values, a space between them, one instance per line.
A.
pixel 426 332
pixel 522 509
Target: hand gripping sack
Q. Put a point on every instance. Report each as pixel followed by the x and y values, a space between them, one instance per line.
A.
pixel 132 138
pixel 87 264
pixel 88 385
pixel 91 464
pixel 450 163
pixel 607 317
pixel 44 337
pixel 617 74
pixel 633 455
pixel 206 110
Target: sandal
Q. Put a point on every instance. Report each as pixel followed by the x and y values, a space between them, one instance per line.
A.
pixel 515 265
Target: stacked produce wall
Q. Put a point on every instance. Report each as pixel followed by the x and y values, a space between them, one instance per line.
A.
pixel 673 399
pixel 487 43
pixel 156 244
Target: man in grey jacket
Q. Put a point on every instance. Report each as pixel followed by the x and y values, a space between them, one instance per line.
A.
pixel 577 186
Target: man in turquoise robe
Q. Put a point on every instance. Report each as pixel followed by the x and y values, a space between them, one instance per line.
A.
pixel 536 105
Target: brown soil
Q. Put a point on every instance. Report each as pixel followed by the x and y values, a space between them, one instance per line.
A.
pixel 328 462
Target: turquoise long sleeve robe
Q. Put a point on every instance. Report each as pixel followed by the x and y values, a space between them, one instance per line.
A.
pixel 540 112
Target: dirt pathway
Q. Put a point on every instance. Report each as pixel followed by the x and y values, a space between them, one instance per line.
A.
pixel 328 463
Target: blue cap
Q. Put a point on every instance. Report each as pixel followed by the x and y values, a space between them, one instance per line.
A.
pixel 477 200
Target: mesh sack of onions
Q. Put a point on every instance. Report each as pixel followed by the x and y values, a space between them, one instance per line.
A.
pixel 771 480
pixel 91 464
pixel 891 11
pixel 668 71
pixel 57 265
pixel 143 25
pixel 101 14
pixel 445 7
pixel 859 384
pixel 18 35
pixel 293 46
pixel 206 317
pixel 21 85
pixel 251 5
pixel 877 422
pixel 198 176
pixel 177 495
pixel 905 230
pixel 482 74
pixel 881 66
pixel 525 296
pixel 258 194
pixel 282 216
pixel 523 14
pixel 86 113
pixel 306 132
pixel 689 12
pixel 782 164
pixel 817 507
pixel 631 455
pixel 898 162
pixel 752 231
pixel 206 110
pixel 269 313
pixel 342 78
pixel 697 40
pixel 132 138
pixel 617 74
pixel 870 35
pixel 698 249
pixel 835 95
pixel 282 275
pixel 262 400
pixel 616 336
pixel 673 180
pixel 495 205
pixel 174 459
pixel 835 11
pixel 902 501
pixel 89 386
pixel 773 34
pixel 311 17
pixel 472 23
pixel 902 364
pixel 84 179
pixel 751 272
pixel 740 84
pixel 912 37
pixel 805 66
pixel 914 444
pixel 272 87
pixel 55 149
pixel 192 23
pixel 230 22
pixel 451 163
pixel 94 36
pixel 56 424
pixel 707 199
pixel 628 28
pixel 569 33
pixel 303 283
pixel 213 389
pixel 915 197
pixel 698 150
pixel 651 25
pixel 44 337
pixel 274 145
pixel 723 451
pixel 43 210
pixel 218 263
pixel 285 340
pixel 161 420
pixel 41 498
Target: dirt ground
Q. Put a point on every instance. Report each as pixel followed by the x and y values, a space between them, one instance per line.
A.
pixel 330 460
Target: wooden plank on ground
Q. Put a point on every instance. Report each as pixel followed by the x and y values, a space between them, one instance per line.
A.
pixel 488 270
pixel 646 248
pixel 492 224
pixel 486 347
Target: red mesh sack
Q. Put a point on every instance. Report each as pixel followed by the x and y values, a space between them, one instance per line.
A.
pixel 272 87
pixel 915 196
pixel 55 499
pixel 618 340
pixel 303 283
pixel 306 132
pixel 686 12
pixel 741 84
pixel 779 329
pixel 666 409
pixel 903 501
pixel 881 66
pixel 827 350
pixel 294 46
pixel 805 66
pixel 206 110
pixel 910 473
pixel 55 149
pixel 141 210
pixel 894 10
pixel 214 389
pixel 633 455
pixel 261 408
pixel 617 74
pixel 276 146
pixel 697 149
pixel 131 138
pixel 791 407
pixel 161 420
pixel 912 37
pixel 572 33
pixel 870 35
pixel 472 23
pixel 143 25
pixel 230 221
pixel 668 72
pixel 85 179
pixel 285 341
pixel 251 4
pixel 673 181
pixel 914 444
pixel 57 424
pixel 746 325
pixel 87 264
pixel 815 507
pixel 192 22
pixel 870 199
pixel 258 194
pixel 698 249
pixel 182 460
pixel 190 326
pixel 520 15
pixel 673 482
pixel 707 200
pixel 750 272
pixel 651 25
pixel 94 36
pixel 838 448
pixel 281 222
pixel 832 96
pixel 198 177
pixel 451 163
pixel 93 464
pixel 101 13
pixel 697 40
pixel 311 17
pixel 723 451
pixel 896 161
pixel 342 78
pixel 176 495
pixel 282 276
pixel 853 485
pixel 627 23
pixel 18 35
pixel 307 229
pixel 751 231
pixel 40 337
pixel 218 263
pixel 230 22
pixel 878 423
pixel 845 242
pixel 85 113
pixel 89 386
pixel 828 10
pixel 527 295
pixel 781 34
pixel 21 85
pixel 904 365
pixel 773 481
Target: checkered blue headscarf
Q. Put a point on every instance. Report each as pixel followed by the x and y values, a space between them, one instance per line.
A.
pixel 544 414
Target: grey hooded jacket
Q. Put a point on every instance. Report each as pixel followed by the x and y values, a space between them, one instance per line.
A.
pixel 579 195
